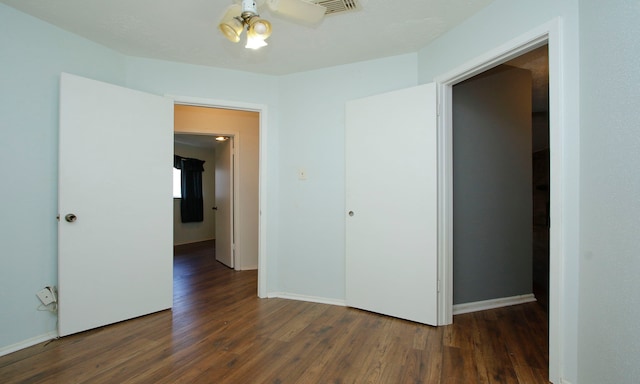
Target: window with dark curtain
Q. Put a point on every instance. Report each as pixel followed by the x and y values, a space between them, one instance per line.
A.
pixel 191 204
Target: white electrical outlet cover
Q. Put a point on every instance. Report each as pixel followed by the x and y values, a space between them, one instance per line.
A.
pixel 45 296
pixel 53 292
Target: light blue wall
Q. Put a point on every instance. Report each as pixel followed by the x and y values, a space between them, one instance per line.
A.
pixel 495 25
pixel 164 77
pixel 32 55
pixel 311 217
pixel 609 328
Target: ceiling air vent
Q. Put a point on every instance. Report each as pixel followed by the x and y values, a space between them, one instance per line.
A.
pixel 338 6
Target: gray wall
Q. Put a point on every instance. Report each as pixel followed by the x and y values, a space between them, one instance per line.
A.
pixel 609 306
pixel 492 200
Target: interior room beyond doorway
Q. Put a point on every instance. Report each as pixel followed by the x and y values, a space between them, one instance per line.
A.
pixel 197 126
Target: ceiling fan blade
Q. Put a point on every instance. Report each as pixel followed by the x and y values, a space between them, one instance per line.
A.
pixel 297 10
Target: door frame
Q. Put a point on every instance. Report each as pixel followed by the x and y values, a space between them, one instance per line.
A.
pixel 262 167
pixel 550 34
pixel 232 134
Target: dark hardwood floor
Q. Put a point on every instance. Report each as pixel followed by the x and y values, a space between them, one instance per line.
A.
pixel 220 332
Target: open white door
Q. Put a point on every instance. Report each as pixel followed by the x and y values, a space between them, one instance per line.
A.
pixel 224 203
pixel 115 234
pixel 391 202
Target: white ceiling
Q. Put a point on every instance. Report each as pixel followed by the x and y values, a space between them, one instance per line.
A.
pixel 192 140
pixel 186 31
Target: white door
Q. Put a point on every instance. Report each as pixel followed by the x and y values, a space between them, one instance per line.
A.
pixel 224 203
pixel 115 175
pixel 391 203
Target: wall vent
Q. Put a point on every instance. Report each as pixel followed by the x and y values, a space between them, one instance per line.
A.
pixel 339 6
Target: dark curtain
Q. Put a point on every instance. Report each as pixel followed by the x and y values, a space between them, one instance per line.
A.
pixel 191 205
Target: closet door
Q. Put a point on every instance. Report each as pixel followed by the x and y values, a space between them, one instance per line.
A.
pixel 391 204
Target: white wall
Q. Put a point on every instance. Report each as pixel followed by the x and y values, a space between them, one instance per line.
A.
pixel 609 327
pixel 184 233
pixel 311 215
pixel 495 25
pixel 32 56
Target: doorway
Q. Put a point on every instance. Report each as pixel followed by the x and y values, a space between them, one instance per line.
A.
pixel 242 128
pixel 501 185
pixel 547 34
pixel 202 148
pixel 218 203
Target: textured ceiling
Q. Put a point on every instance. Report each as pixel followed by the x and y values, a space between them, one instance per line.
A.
pixel 186 31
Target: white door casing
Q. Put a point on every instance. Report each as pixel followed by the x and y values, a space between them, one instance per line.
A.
pixel 115 260
pixel 262 174
pixel 549 33
pixel 224 202
pixel 391 203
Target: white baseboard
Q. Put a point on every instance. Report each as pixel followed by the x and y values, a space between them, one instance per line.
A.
pixel 312 299
pixel 459 309
pixel 28 343
pixel 248 268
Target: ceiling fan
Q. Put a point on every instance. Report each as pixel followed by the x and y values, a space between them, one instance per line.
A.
pixel 244 14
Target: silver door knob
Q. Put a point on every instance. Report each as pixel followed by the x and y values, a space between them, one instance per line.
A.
pixel 70 217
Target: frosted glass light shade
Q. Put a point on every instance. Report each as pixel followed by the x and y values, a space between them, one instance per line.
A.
pixel 259 28
pixel 229 25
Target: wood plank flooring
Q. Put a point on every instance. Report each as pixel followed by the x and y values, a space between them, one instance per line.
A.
pixel 220 332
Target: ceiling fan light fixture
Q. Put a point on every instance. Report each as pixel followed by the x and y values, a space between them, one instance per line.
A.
pixel 258 30
pixel 245 13
pixel 258 27
pixel 230 25
pixel 231 31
